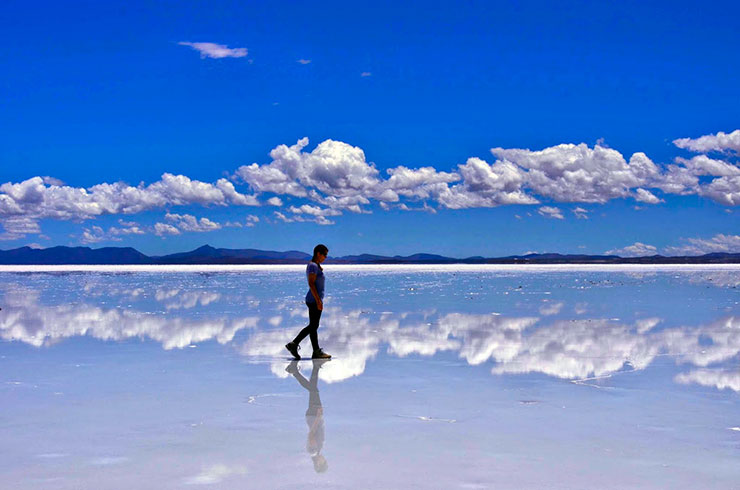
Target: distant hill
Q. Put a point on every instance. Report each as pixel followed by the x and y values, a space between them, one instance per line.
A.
pixel 73 255
pixel 210 255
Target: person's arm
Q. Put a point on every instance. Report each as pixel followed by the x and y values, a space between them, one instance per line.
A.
pixel 314 292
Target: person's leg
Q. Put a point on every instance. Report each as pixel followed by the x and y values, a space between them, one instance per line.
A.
pixel 314 315
pixel 307 329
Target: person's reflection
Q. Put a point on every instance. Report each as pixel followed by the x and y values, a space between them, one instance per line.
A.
pixel 314 414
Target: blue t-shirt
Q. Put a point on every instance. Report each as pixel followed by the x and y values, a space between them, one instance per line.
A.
pixel 313 268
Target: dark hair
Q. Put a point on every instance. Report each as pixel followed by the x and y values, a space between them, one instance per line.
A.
pixel 319 249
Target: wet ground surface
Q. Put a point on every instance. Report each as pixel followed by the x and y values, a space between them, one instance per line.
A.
pixel 442 378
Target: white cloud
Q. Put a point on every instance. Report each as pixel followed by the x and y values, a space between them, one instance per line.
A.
pixel 304 61
pixel 724 190
pixel 577 173
pixel 703 165
pixel 301 218
pixel 485 185
pixel 213 50
pixel 252 220
pixel 637 249
pixel 550 212
pixel 700 246
pixel 333 169
pixel 163 229
pixel 18 227
pixel 642 195
pixel 314 211
pixel 96 234
pixel 338 176
pixel 188 222
pixel 232 196
pixel 34 199
pixel 713 142
pixel 366 74
pixel 580 213
pixel 419 183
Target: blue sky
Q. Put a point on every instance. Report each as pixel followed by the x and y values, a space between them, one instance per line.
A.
pixel 100 102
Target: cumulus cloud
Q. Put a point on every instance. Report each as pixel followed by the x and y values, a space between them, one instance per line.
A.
pixel 643 195
pixel 163 229
pixel 577 173
pixel 23 204
pixel 699 246
pixel 333 168
pixel 213 50
pixel 420 183
pixel 724 190
pixel 720 142
pixel 551 212
pixel 703 165
pixel 485 185
pixel 179 223
pixel 315 211
pixel 188 222
pixel 337 176
pixel 637 249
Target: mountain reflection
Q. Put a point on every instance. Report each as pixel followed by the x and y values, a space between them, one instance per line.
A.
pixel 570 349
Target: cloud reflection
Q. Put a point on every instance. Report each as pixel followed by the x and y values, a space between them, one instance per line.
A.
pixel 571 349
pixel 40 325
pixel 714 378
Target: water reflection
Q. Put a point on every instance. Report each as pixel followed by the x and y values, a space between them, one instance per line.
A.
pixel 547 342
pixel 26 320
pixel 314 413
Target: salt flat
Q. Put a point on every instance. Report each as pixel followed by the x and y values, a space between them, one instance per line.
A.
pixel 443 377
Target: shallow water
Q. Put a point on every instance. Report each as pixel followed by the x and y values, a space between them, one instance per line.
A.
pixel 443 377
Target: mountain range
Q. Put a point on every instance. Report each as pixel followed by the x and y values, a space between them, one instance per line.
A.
pixel 210 255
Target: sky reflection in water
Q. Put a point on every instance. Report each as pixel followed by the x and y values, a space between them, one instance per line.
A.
pixel 513 378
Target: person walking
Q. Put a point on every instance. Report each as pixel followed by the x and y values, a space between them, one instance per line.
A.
pixel 314 301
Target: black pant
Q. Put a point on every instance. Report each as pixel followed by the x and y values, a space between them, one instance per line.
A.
pixel 314 315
